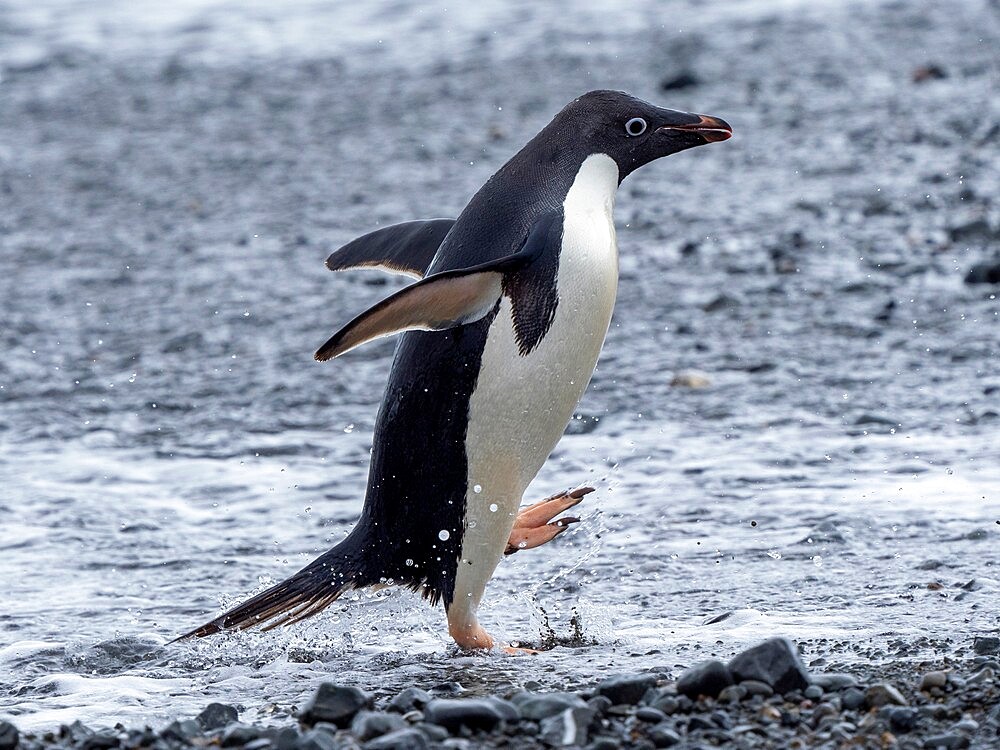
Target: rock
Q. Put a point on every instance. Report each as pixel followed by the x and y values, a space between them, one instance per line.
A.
pixel 217 716
pixel 568 728
pixel 401 739
pixel 852 699
pixel 776 662
pixel 455 713
pixel 9 736
pixel 261 743
pixel 928 72
pixel 316 739
pixel 600 704
pixel 627 688
pixel 832 681
pixel 650 715
pixel 813 692
pixel 181 730
pixel 237 735
pixel 707 678
pixel 368 725
pixel 733 694
pixel 884 694
pixel 987 644
pixel 432 732
pixel 101 741
pixel 507 710
pixel 663 735
pixel 336 704
pixel 411 698
pixel 666 703
pixel 681 80
pixel 986 674
pixel 690 379
pixel 756 687
pixel 984 273
pixel 903 719
pixel 539 707
pixel 946 742
pixel 935 679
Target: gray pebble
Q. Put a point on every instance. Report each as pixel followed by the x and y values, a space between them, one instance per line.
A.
pixel 852 699
pixel 453 714
pixel 9 736
pixel 706 678
pixel 650 715
pixel 401 739
pixel 337 704
pixel 568 728
pixel 903 719
pixel 432 732
pixel 409 699
pixel 756 687
pixel 237 734
pixel 983 675
pixel 667 703
pixel 776 661
pixel 813 692
pixel 663 735
pixel 217 716
pixel 733 694
pixel 986 644
pixel 935 679
pixel 626 688
pixel 368 725
pixel 538 707
pixel 946 742
pixel 883 694
pixel 316 739
pixel 834 681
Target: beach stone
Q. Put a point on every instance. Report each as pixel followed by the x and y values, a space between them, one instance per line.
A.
pixel 368 725
pixel 336 704
pixel 756 687
pixel 776 661
pixel 690 379
pixel 507 710
pixel 568 728
pixel 986 644
pixel 539 707
pixel 604 743
pixel 733 694
pixel 217 716
pixel 258 744
pixel 903 719
pixel 237 734
pixel 285 738
pixel 949 741
pixel 852 699
pixel 432 732
pixel 453 714
pixel 706 678
pixel 883 694
pixel 411 698
pixel 626 688
pixel 600 704
pixel 832 681
pixel 181 730
pixel 101 741
pixel 935 679
pixel 316 739
pixel 986 674
pixel 401 739
pixel 667 703
pixel 663 735
pixel 650 715
pixel 813 692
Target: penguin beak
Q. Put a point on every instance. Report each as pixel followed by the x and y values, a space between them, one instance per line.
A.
pixel 712 129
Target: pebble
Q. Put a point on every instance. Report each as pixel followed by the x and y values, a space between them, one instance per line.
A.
pixel 935 679
pixel 946 742
pixel 706 678
pixel 542 706
pixel 216 716
pixel 411 698
pixel 9 736
pixel 986 674
pixel 690 379
pixel 852 699
pixel 776 662
pixel 986 644
pixel 733 694
pixel 316 739
pixel 627 688
pixel 650 715
pixel 756 687
pixel 832 681
pixel 368 725
pixel 402 739
pixel 336 704
pixel 903 719
pixel 883 694
pixel 813 692
pixel 567 729
pixel 454 713
pixel 663 735
pixel 237 734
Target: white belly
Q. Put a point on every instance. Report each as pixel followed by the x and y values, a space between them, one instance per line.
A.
pixel 521 404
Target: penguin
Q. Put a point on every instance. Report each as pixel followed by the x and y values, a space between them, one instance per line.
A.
pixel 500 337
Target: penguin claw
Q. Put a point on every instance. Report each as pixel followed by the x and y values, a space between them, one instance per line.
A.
pixel 534 526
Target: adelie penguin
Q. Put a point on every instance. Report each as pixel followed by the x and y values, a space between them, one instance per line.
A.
pixel 503 332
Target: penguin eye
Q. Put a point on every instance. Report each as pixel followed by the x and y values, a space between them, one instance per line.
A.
pixel 635 126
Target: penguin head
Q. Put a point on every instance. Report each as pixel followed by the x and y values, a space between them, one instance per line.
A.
pixel 631 131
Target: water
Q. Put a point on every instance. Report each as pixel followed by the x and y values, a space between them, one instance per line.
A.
pixel 167 445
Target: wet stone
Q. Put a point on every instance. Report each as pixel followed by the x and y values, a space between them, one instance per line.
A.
pixel 539 707
pixel 733 694
pixel 669 704
pixel 261 743
pixel 852 699
pixel 567 729
pixel 432 732
pixel 935 679
pixel 946 741
pixel 370 724
pixel 776 662
pixel 663 735
pixel 401 739
pixel 650 715
pixel 903 719
pixel 181 730
pixel 411 698
pixel 217 716
pixel 813 692
pixel 507 710
pixel 707 678
pixel 316 739
pixel 337 704
pixel 884 694
pixel 986 644
pixel 102 741
pixel 453 714
pixel 239 734
pixel 600 704
pixel 756 687
pixel 627 688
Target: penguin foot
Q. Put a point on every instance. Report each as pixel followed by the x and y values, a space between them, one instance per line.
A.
pixel 532 527
pixel 520 651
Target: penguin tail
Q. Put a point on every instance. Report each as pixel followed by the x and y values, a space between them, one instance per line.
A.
pixel 302 595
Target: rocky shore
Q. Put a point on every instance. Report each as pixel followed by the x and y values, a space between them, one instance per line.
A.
pixel 765 697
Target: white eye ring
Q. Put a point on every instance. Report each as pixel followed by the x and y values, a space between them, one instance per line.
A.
pixel 635 126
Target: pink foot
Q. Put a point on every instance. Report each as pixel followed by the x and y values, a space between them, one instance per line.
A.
pixel 532 527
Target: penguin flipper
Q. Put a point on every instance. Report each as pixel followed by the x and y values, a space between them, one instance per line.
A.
pixel 406 248
pixel 440 301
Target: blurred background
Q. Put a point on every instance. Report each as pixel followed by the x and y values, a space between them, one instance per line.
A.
pixel 794 424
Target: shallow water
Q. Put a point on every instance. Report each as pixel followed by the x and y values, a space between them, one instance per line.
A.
pixel 170 190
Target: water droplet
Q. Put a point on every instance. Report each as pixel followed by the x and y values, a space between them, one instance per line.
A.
pixel 494 507
pixel 472 524
pixel 409 563
pixel 443 535
pixel 774 554
pixel 522 545
pixel 131 378
pixel 477 488
pixel 349 429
